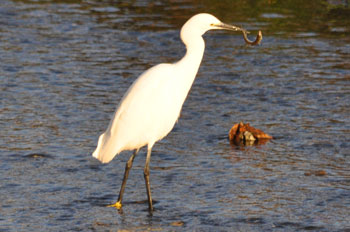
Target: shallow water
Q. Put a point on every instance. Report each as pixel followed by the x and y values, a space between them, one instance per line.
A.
pixel 65 65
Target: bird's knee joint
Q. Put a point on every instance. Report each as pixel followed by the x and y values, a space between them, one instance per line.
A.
pixel 146 172
pixel 128 165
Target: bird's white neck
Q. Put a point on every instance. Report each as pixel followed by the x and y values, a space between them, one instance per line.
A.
pixel 193 57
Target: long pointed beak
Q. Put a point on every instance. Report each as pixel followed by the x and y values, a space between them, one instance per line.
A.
pixel 225 26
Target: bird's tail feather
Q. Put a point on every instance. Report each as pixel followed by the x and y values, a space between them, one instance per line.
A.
pixel 105 150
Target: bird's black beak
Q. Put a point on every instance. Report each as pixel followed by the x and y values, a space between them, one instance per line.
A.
pixel 225 26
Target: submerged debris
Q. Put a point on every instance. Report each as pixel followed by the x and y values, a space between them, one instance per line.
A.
pixel 244 134
pixel 316 173
pixel 38 155
pixel 177 223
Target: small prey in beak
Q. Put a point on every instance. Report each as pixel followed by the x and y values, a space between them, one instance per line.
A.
pixel 249 42
pixel 225 26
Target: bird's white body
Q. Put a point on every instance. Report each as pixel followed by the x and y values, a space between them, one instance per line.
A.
pixel 137 123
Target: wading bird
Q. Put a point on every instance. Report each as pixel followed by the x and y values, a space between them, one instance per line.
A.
pixel 151 106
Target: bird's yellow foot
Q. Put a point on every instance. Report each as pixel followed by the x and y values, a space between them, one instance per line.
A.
pixel 117 205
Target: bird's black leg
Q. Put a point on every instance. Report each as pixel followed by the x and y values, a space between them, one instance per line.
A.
pixel 146 175
pixel 128 166
pixel 126 174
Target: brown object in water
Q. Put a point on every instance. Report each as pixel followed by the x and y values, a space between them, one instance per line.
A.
pixel 177 223
pixel 257 39
pixel 316 173
pixel 320 173
pixel 247 135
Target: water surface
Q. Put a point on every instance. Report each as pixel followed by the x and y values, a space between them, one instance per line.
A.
pixel 65 66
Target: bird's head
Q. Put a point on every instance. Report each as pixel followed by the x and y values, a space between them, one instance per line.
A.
pixel 203 22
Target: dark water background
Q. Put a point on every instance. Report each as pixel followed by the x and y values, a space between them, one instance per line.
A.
pixel 65 65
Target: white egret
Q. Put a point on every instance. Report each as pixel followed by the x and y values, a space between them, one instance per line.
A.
pixel 152 104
